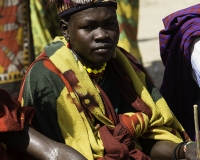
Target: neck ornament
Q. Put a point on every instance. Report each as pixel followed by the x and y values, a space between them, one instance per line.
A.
pixel 94 71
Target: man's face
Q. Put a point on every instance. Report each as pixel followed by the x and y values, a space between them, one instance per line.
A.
pixel 94 34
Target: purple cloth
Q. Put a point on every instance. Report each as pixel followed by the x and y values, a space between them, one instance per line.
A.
pixel 178 86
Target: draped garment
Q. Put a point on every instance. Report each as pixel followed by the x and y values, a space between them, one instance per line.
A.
pixel 72 109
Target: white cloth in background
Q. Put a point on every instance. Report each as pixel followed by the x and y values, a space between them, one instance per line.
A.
pixel 195 60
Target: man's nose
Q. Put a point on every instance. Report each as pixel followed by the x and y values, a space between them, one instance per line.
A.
pixel 101 33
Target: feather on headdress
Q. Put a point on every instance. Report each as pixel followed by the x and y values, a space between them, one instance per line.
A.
pixel 66 7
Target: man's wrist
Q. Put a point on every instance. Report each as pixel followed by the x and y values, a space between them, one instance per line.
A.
pixel 179 152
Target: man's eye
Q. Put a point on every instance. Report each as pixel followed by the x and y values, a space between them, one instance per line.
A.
pixel 110 23
pixel 88 27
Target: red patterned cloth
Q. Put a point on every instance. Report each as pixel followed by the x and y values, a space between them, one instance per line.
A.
pixel 16 47
pixel 118 143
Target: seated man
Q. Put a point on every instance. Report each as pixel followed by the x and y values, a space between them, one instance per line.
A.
pixel 94 96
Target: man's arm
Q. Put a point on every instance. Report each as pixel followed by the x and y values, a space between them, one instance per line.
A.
pixel 164 150
pixel 31 142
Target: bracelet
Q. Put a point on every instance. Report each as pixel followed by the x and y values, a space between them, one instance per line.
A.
pixel 185 146
pixel 178 147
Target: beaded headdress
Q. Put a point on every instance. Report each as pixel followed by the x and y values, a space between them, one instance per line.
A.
pixel 68 7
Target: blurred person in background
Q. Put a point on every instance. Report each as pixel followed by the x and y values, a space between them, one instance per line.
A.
pixel 180 52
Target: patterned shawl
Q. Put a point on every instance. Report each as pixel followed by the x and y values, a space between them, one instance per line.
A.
pixel 82 104
pixel 175 40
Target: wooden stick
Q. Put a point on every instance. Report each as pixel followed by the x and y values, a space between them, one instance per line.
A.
pixel 196 123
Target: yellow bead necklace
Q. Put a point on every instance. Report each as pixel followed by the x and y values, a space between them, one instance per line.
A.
pixel 89 70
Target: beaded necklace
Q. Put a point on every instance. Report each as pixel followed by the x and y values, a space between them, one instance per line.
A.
pixel 97 75
pixel 91 71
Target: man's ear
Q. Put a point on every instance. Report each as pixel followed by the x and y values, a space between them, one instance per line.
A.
pixel 64 28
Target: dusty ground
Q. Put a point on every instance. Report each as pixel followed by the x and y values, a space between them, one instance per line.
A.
pixel 150 23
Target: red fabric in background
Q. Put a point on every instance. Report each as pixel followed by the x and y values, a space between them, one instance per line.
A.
pixel 13 117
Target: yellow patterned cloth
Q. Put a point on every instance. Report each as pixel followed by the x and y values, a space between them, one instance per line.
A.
pixel 127 15
pixel 79 102
pixel 159 126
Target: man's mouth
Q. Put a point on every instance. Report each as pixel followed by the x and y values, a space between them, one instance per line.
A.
pixel 103 47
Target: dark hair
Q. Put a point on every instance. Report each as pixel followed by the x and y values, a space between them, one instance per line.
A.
pixel 66 17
